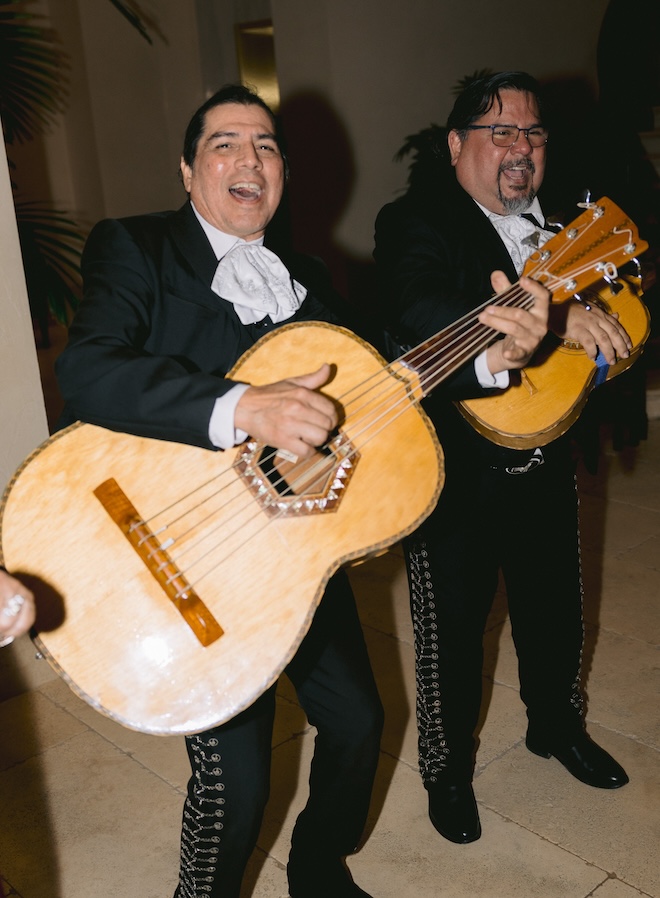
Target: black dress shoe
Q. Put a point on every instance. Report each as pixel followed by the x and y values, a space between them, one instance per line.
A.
pixel 322 879
pixel 453 811
pixel 583 758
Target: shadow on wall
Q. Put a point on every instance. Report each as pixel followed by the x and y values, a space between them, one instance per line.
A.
pixel 320 188
pixel 592 147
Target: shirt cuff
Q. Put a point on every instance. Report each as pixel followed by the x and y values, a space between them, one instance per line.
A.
pixel 222 431
pixel 487 380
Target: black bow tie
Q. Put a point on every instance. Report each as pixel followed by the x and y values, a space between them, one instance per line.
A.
pixel 555 228
pixel 529 217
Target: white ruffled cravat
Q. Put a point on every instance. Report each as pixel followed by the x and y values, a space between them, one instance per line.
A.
pixel 257 283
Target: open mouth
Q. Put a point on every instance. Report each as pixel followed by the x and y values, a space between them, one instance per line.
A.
pixel 518 173
pixel 246 190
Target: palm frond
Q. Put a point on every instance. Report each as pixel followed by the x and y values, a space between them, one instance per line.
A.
pixel 33 91
pixel 424 142
pixel 131 11
pixel 32 86
pixel 428 147
pixel 467 80
pixel 51 246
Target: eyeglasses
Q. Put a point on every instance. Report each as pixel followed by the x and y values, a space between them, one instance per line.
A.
pixel 507 135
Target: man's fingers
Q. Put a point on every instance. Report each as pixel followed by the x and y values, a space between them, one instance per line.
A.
pixel 501 283
pixel 523 329
pixel 314 380
pixel 290 414
pixel 17 610
pixel 595 330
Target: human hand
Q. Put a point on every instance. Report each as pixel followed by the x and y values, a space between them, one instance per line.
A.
pixel 17 611
pixel 290 414
pixel 586 323
pixel 523 329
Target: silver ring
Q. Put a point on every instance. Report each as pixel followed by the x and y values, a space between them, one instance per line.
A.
pixel 13 606
pixel 6 641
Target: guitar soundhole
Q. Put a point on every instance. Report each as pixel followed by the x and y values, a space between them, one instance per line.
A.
pixel 289 477
pixel 285 486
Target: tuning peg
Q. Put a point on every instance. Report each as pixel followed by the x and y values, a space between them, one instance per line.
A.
pixel 609 273
pixel 615 286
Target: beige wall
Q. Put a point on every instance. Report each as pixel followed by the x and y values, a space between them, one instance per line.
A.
pixel 22 414
pixel 383 68
pixel 116 150
pixel 378 69
pixel 387 68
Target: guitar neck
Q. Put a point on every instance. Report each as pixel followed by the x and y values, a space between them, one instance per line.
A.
pixel 586 251
pixel 443 354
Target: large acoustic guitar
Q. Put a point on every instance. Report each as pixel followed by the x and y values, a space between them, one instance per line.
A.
pixel 174 583
pixel 547 396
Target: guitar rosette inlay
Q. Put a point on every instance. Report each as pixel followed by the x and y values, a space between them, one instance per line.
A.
pixel 284 485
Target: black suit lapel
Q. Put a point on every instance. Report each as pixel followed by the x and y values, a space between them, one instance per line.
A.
pixel 488 243
pixel 192 243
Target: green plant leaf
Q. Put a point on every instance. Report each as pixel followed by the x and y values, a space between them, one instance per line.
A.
pixel 51 246
pixel 131 12
pixel 32 74
pixel 33 91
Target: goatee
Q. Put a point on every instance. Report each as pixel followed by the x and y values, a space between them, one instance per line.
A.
pixel 514 205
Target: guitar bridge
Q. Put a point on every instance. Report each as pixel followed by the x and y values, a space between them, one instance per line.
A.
pixel 527 382
pixel 160 565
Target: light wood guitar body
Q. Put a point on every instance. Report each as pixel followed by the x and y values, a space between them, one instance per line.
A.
pixel 253 571
pixel 547 396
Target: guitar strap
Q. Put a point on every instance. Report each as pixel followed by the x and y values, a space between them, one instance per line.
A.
pixel 602 369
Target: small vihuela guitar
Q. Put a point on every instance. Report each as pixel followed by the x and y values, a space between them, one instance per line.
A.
pixel 174 584
pixel 547 396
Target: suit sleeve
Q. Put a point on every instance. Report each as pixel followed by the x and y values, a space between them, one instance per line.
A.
pixel 116 370
pixel 422 287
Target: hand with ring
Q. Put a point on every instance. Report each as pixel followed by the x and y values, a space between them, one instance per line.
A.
pixel 17 611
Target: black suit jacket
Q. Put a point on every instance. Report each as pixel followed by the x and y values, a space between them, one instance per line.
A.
pixel 435 251
pixel 151 343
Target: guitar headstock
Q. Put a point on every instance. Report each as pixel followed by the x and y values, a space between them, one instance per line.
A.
pixel 590 248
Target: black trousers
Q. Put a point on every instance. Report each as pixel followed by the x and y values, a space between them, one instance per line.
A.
pixel 230 781
pixel 527 526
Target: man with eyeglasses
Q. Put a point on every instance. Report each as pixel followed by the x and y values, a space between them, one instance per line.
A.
pixel 476 212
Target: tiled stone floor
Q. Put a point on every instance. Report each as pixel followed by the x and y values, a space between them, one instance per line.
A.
pixel 88 808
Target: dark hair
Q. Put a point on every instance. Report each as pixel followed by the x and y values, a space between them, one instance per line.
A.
pixel 230 93
pixel 482 94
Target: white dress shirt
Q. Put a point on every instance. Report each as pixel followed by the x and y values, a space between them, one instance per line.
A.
pixel 222 431
pixel 515 232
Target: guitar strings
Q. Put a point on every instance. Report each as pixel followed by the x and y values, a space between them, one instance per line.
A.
pixel 438 375
pixel 485 339
pixel 467 318
pixel 481 334
pixel 382 414
pixel 479 341
pixel 475 336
